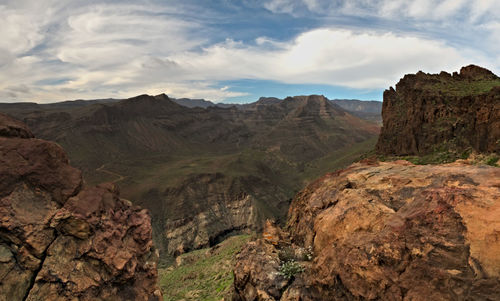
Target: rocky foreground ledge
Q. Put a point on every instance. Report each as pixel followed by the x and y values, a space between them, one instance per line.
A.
pixel 60 240
pixel 383 231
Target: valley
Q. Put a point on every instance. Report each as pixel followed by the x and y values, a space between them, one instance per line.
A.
pixel 269 150
pixel 204 173
pixel 227 208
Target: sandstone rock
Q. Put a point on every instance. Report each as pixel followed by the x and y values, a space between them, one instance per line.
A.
pixel 388 231
pixel 440 112
pixel 59 241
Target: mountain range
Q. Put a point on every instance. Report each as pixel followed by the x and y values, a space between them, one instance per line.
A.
pixel 371 230
pixel 204 173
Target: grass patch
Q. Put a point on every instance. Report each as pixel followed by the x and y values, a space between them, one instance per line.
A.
pixel 203 274
pixel 463 88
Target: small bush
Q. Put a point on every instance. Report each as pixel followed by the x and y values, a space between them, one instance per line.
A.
pixel 492 161
pixel 290 268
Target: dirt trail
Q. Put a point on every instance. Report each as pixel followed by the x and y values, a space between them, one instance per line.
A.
pixel 119 177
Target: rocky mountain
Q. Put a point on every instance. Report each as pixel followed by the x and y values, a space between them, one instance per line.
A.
pixel 63 240
pixel 382 231
pixel 364 109
pixel 395 230
pixel 194 103
pixel 429 113
pixel 368 110
pixel 205 173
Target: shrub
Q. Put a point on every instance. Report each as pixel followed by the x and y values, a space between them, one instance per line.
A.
pixel 290 268
pixel 492 161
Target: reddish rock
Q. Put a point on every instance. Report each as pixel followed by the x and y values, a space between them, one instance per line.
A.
pixel 440 112
pixel 59 241
pixel 10 127
pixel 388 231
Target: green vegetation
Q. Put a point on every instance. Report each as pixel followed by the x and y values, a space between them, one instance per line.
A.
pixel 290 268
pixel 202 274
pixel 493 160
pixel 442 157
pixel 463 88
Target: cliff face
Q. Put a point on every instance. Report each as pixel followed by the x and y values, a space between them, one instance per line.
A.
pixel 442 112
pixel 60 240
pixel 387 231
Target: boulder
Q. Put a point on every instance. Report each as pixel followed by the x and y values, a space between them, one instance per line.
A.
pixel 60 240
pixel 387 231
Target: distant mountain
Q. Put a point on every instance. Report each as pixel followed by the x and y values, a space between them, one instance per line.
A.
pixel 368 110
pixel 364 106
pixel 193 103
pixel 365 109
pixel 204 173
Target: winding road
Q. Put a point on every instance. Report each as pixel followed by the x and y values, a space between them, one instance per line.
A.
pixel 119 177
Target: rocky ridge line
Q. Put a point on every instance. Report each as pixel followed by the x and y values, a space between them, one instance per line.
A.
pixel 429 113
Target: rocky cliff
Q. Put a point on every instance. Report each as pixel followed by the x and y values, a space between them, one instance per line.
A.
pixel 427 113
pixel 383 231
pixel 61 240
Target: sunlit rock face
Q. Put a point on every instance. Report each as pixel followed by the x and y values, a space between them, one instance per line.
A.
pixel 60 240
pixel 386 231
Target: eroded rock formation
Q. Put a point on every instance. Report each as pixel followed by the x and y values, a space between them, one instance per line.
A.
pixel 385 231
pixel 60 240
pixel 442 112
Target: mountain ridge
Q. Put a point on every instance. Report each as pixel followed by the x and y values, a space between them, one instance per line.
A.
pixel 246 158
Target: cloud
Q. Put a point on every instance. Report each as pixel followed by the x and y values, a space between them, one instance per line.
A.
pixel 356 59
pixel 437 10
pixel 95 49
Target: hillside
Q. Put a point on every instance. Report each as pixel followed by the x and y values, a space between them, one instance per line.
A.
pixel 430 113
pixel 395 230
pixel 205 173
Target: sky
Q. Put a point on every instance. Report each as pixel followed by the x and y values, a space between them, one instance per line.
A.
pixel 236 51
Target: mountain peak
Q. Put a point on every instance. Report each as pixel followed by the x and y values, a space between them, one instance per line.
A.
pixel 439 111
pixel 476 72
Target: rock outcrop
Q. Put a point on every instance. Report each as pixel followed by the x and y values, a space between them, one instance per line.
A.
pixel 384 231
pixel 427 113
pixel 60 240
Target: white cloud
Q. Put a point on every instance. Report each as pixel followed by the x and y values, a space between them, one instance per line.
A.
pixel 436 10
pixel 95 49
pixel 327 56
